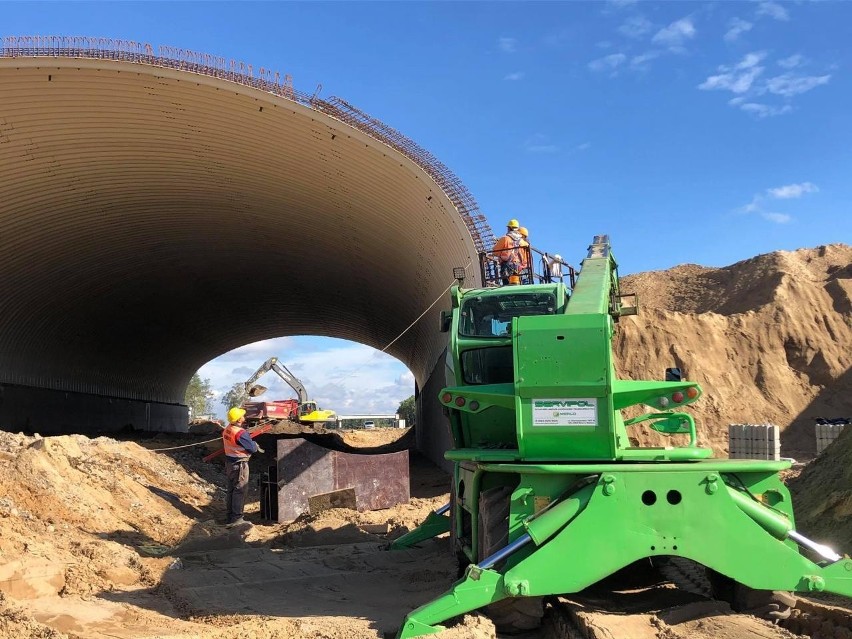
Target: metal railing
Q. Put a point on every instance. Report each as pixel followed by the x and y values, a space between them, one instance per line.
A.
pixel 264 80
pixel 535 268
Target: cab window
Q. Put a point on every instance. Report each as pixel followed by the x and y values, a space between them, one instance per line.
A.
pixel 491 315
pixel 488 365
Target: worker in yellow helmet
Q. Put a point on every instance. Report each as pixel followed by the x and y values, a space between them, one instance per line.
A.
pixel 524 256
pixel 239 447
pixel 506 250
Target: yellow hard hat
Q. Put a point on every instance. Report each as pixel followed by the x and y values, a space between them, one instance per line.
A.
pixel 235 414
pixel 523 231
pixel 513 224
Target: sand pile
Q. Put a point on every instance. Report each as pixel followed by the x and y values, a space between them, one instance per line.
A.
pixel 822 495
pixel 768 339
pixel 75 511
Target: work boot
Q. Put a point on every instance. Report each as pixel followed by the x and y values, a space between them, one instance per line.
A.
pixel 238 522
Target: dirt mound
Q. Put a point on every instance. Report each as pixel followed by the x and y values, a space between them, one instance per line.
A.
pixel 370 441
pixel 75 510
pixel 342 525
pixel 470 627
pixel 100 537
pixel 768 339
pixel 822 494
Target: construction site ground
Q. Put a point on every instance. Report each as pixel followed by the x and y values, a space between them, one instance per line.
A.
pixel 106 538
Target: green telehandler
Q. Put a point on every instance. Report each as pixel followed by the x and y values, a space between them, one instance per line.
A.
pixel 549 496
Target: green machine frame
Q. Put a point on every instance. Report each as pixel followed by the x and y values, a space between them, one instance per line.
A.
pixel 549 495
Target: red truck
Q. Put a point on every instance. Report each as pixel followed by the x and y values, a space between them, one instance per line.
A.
pixel 278 409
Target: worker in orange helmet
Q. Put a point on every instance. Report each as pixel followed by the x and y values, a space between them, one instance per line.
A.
pixel 239 447
pixel 506 249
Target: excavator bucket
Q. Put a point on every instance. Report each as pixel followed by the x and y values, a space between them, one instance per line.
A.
pixel 256 390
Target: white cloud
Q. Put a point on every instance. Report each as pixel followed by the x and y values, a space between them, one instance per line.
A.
pixel 736 27
pixel 609 62
pixel 737 79
pixel 744 80
pixel 640 62
pixel 792 191
pixel 635 27
pixel 539 143
pixel 790 84
pixel 258 350
pixel 753 206
pixel 772 10
pixel 787 192
pixel 507 45
pixel 512 77
pixel 792 62
pixel 751 60
pixel 778 218
pixel 674 35
pixel 764 110
pixel 583 146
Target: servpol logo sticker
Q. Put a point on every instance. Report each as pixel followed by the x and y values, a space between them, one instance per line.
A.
pixel 565 412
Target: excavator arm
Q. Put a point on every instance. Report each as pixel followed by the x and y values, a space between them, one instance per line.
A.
pixel 291 381
pixel 272 365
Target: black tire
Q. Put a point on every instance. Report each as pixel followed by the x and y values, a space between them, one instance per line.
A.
pixel 462 561
pixel 686 574
pixel 512 615
pixel 772 605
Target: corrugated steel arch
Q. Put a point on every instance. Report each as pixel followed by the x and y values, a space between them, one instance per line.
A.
pixel 156 212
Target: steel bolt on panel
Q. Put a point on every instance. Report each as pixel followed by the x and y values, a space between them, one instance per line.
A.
pixel 305 469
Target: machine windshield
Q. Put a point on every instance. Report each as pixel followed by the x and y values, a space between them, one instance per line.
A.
pixel 488 365
pixel 491 315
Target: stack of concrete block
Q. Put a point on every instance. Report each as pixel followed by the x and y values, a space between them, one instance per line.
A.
pixel 754 441
pixel 825 434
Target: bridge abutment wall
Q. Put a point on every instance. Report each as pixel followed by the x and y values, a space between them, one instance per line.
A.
pixel 433 426
pixel 54 412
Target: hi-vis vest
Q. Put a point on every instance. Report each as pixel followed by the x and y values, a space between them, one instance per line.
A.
pixel 232 447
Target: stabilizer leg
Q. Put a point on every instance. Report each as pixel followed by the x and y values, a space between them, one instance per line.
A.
pixel 436 523
pixel 478 588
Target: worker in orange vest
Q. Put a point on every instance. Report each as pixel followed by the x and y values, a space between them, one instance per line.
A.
pixel 524 256
pixel 239 447
pixel 506 249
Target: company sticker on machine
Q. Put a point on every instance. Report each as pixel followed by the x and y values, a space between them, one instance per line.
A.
pixel 565 412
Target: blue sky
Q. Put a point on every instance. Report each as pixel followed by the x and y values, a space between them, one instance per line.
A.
pixel 690 132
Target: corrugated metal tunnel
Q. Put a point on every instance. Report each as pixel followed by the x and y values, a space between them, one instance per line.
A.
pixel 157 210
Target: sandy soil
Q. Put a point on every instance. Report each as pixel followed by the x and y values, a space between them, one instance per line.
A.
pixel 103 538
pixel 768 339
